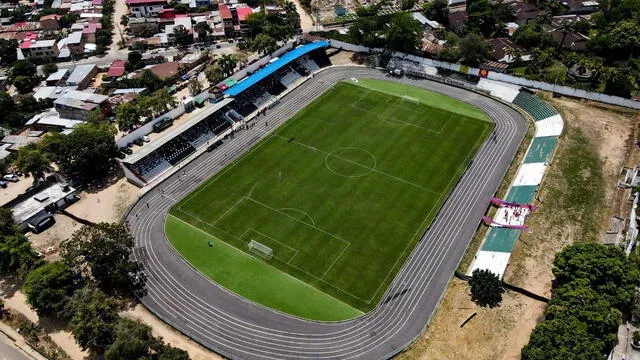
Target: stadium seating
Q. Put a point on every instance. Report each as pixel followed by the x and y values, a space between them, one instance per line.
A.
pixel 289 78
pixel 538 108
pixel 308 64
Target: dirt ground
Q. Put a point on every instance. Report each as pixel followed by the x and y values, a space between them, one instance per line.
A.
pixel 14 189
pixel 170 335
pixel 501 332
pixel 107 204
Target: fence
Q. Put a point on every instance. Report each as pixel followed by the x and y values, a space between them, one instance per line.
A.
pixel 148 127
pixel 560 89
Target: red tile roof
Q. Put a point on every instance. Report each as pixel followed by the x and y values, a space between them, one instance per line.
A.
pixel 225 13
pixel 117 68
pixel 244 12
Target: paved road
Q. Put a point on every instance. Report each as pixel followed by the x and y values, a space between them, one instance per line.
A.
pixel 240 329
pixel 8 351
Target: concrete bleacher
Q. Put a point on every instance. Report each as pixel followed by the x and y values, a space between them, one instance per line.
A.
pixel 551 126
pixel 290 78
pixel 504 91
pixel 537 108
pixel 308 64
pixel 498 243
pixel 261 99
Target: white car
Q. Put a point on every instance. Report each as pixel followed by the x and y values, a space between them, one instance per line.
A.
pixel 145 138
pixel 11 177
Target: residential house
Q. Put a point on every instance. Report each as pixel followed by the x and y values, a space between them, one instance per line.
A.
pixel 89 32
pixel 581 6
pixel 82 76
pixel 78 105
pixel 504 51
pixel 50 22
pixel 234 19
pixel 117 69
pixel 525 12
pixel 457 20
pixel 146 8
pixel 56 77
pixel 39 48
pixel 570 41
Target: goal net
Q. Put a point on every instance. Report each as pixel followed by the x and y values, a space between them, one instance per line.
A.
pixel 411 99
pixel 260 250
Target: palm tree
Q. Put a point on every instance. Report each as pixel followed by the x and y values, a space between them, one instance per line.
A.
pixel 544 18
pixel 566 28
pixel 228 64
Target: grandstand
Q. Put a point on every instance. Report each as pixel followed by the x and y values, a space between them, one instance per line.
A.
pixel 537 108
pixel 175 145
pixel 259 89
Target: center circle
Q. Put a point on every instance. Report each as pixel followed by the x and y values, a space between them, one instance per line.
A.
pixel 350 162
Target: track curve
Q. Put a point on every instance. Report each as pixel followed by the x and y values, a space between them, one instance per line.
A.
pixel 240 329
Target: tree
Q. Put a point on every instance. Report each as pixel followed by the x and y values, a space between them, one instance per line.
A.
pixel 437 10
pixel 16 254
pixel 124 20
pixel 214 74
pixel 566 28
pixel 486 288
pixel 560 339
pixel 181 8
pixel 170 353
pixel 34 161
pixel 128 116
pixel 182 36
pixel 23 68
pixel 49 287
pixel 617 83
pixel 543 18
pixel 49 68
pixel 473 48
pixel 92 319
pixel 134 61
pixel 607 270
pixel 6 102
pixel 133 340
pixel 67 20
pixel 264 44
pixel 195 87
pixel 7 224
pixel 25 84
pixel 404 33
pixel 8 51
pixel 408 4
pixel 87 151
pixel 105 250
pixel 202 29
pixel 227 63
pixel 578 300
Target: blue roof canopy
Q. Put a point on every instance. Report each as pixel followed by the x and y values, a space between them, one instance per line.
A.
pixel 274 66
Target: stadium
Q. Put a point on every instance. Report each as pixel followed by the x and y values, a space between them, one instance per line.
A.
pixel 331 218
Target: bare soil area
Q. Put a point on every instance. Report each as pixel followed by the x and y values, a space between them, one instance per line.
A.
pixel 598 140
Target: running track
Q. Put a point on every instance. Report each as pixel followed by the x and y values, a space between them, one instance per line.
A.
pixel 240 329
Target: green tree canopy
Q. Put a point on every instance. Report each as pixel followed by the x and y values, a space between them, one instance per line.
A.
pixel 133 340
pixel 606 269
pixel 214 74
pixel 49 287
pixel 473 49
pixel 93 316
pixel 16 254
pixel 486 288
pixel 33 160
pixel 128 116
pixel 105 250
pixel 437 10
pixel 561 339
pixel 49 68
pixel 87 151
pixel 404 33
pixel 8 51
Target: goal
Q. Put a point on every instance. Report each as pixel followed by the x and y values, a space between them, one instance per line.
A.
pixel 260 250
pixel 411 99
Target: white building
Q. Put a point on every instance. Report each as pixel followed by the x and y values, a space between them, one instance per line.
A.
pixel 146 8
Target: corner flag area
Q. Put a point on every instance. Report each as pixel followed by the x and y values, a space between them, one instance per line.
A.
pixel 317 219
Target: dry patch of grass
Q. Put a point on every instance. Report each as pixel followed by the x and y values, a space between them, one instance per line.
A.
pixel 578 197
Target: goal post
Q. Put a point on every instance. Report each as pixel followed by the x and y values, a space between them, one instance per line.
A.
pixel 411 99
pixel 260 250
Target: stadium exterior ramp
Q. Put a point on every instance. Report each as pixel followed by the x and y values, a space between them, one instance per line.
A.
pixel 240 329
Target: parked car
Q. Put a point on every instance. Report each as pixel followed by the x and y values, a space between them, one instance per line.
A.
pixel 138 142
pixel 126 150
pixel 11 177
pixel 121 155
pixel 145 138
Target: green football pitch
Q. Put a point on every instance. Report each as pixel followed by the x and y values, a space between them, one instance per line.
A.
pixel 341 194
